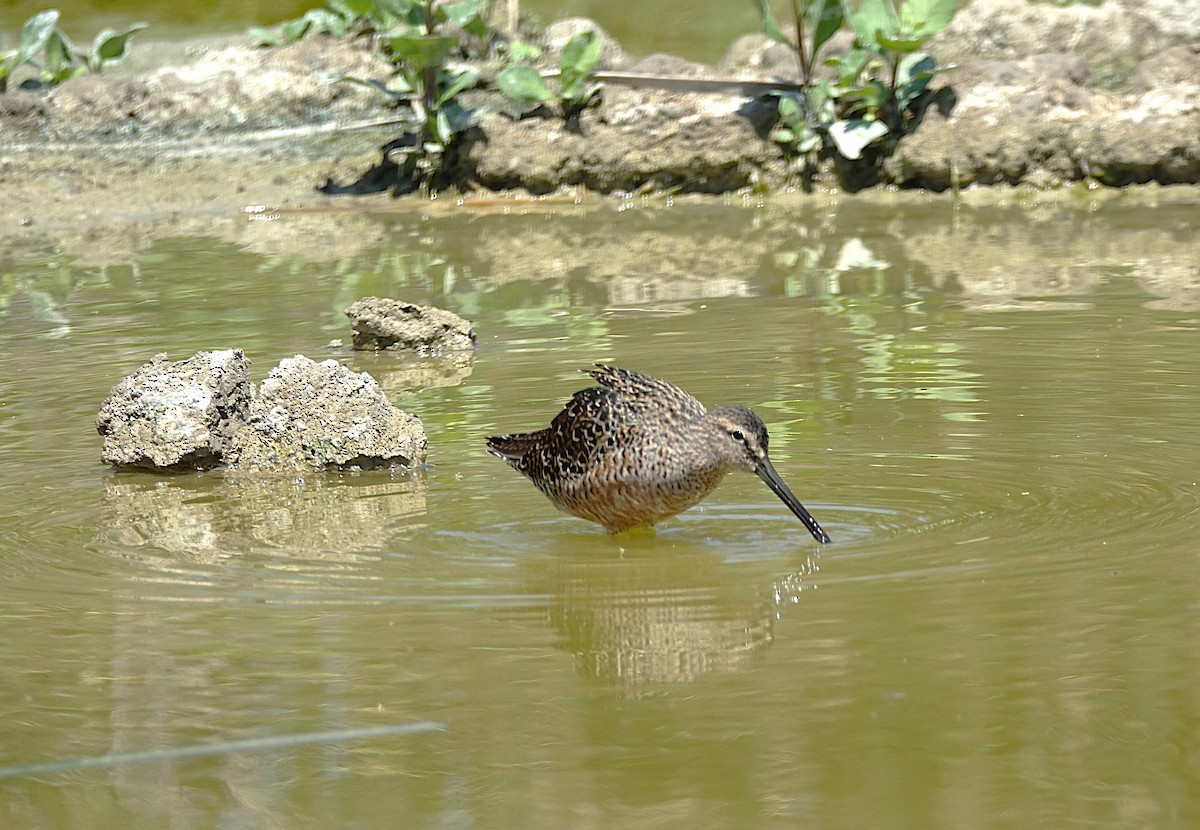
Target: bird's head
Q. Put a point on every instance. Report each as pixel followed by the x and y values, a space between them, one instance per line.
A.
pixel 740 437
pixel 741 444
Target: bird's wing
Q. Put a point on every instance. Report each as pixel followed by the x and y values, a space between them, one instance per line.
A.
pixel 619 416
pixel 642 396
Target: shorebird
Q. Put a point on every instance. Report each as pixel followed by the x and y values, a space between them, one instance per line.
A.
pixel 636 450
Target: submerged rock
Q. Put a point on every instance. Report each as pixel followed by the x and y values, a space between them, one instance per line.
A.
pixel 381 323
pixel 312 416
pixel 177 415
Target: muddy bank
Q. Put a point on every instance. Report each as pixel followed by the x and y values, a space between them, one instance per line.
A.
pixel 222 125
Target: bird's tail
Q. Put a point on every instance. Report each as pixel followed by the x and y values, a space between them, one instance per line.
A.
pixel 512 447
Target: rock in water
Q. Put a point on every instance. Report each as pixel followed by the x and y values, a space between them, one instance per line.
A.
pixel 313 416
pixel 380 323
pixel 177 415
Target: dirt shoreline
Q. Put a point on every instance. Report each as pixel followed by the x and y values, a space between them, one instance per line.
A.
pixel 221 126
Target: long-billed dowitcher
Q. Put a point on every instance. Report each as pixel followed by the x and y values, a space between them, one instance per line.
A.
pixel 636 450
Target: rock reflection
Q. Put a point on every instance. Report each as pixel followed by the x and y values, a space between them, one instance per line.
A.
pixel 993 251
pixel 1177 283
pixel 637 622
pixel 404 372
pixel 207 519
pixel 1001 259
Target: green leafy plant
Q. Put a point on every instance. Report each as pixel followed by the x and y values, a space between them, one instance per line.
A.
pixel 518 51
pixel 427 80
pixel 339 18
pixel 804 114
pixel 875 84
pixel 60 58
pixel 816 22
pixel 434 86
pixel 34 35
pixel 895 36
pixel 336 20
pixel 378 19
pixel 525 85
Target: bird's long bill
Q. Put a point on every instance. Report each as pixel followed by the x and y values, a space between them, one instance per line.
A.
pixel 767 473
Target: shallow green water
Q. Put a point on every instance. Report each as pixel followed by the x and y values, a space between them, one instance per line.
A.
pixel 991 410
pixel 696 29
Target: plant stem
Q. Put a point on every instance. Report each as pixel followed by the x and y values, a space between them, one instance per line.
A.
pixel 805 68
pixel 429 91
pixel 800 15
pixel 429 83
pixel 893 101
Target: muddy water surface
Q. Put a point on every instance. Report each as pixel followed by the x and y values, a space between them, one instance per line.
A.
pixel 990 409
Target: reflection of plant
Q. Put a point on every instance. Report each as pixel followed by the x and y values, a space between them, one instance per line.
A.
pixel 61 59
pixel 524 84
pixel 392 272
pixel 876 82
pixel 43 285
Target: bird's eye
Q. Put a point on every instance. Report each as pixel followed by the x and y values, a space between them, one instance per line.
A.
pixel 736 435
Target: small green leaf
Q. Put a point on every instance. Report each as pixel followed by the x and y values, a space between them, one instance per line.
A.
pixel 873 17
pixel 34 34
pixel 326 22
pixel 518 51
pixel 585 95
pixel 453 83
pixel 924 18
pixel 789 107
pixel 913 77
pixel 57 76
pixel 60 54
pixel 914 67
pixel 829 17
pixel 462 12
pixel 265 37
pixel 443 131
pixel 384 16
pixel 782 135
pixel 798 136
pixel 111 46
pixel 352 8
pixel 850 137
pixel 850 66
pixel 423 52
pixel 871 95
pixel 459 118
pixel 523 83
pixel 770 26
pixel 820 101
pixel 293 30
pixel 899 44
pixel 398 94
pixel 575 64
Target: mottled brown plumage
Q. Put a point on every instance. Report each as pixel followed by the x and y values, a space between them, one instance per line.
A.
pixel 636 450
